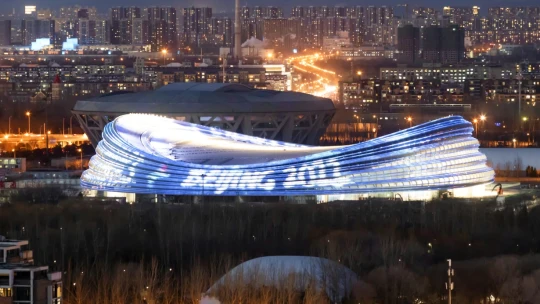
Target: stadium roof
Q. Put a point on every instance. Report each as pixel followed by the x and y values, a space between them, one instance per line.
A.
pixel 205 98
pixel 148 154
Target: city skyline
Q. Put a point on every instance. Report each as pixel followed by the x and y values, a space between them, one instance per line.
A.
pixel 222 6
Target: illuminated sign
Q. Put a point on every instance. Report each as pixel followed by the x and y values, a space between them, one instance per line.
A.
pixel 165 156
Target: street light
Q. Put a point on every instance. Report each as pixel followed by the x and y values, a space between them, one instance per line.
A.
pixel 409 119
pixel 80 150
pixel 483 120
pixel 164 51
pixel 9 125
pixel 476 126
pixel 28 114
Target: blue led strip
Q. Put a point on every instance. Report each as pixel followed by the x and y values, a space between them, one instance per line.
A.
pixel 149 154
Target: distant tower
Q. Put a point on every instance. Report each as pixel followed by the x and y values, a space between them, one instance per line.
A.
pixel 237 31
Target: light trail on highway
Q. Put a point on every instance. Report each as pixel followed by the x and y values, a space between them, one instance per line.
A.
pixel 325 84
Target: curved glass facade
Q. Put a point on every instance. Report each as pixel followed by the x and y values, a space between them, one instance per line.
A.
pixel 156 155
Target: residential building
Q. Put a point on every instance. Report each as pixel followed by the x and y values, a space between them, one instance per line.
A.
pixel 33 29
pixel 446 73
pixel 122 24
pixel 23 282
pixel 408 44
pixel 5 32
pixel 162 31
pixel 196 24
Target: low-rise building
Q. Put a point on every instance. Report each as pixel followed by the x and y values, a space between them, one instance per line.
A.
pixel 365 53
pixel 22 282
pixel 446 74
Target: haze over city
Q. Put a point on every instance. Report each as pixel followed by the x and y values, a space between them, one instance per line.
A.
pixel 7 5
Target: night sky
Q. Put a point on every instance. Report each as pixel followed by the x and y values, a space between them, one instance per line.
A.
pixel 227 5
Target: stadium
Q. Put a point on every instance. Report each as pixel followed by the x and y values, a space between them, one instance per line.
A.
pixel 284 116
pixel 172 157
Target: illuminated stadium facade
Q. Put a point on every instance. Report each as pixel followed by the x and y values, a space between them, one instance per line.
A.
pixel 147 154
pixel 285 116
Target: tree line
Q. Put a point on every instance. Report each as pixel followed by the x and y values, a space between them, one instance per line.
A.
pixel 149 253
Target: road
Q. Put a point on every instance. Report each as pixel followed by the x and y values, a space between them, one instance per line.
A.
pixel 325 81
pixel 33 141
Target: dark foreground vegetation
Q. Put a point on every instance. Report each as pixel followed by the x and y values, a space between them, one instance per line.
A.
pixel 172 254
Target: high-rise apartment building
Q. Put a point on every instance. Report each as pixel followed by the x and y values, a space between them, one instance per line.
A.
pixel 196 24
pixel 162 28
pixel 261 12
pixel 86 31
pixel 252 27
pixel 272 12
pixel 44 14
pixel 122 24
pixel 408 44
pixel 36 29
pixel 443 45
pixel 431 44
pixel 452 44
pixel 103 31
pixel 5 32
pixel 72 12
pixel 139 31
pixel 297 12
pixel 221 31
pixel 282 32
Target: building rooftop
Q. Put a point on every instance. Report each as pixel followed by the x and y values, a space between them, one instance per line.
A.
pixel 205 98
